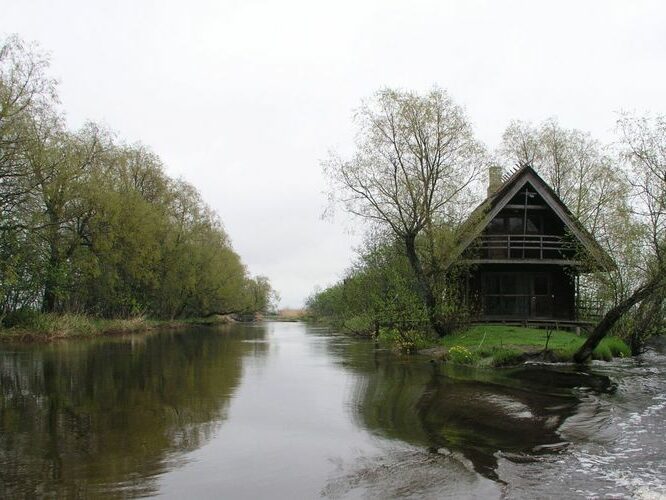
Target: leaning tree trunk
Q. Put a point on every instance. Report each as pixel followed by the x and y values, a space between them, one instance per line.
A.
pixel 655 285
pixel 425 290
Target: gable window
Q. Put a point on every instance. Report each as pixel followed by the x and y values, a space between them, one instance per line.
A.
pixel 534 223
pixel 514 224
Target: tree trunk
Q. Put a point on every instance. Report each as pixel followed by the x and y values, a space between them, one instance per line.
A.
pixel 49 298
pixel 51 283
pixel 645 291
pixel 425 290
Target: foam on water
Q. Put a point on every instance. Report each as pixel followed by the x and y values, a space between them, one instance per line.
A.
pixel 618 447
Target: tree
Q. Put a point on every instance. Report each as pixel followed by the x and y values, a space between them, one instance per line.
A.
pixel 378 290
pixel 89 224
pixel 260 295
pixel 589 178
pixel 415 164
pixel 60 166
pixel 578 168
pixel 643 151
pixel 25 90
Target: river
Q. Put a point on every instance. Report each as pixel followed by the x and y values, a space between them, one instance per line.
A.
pixel 289 410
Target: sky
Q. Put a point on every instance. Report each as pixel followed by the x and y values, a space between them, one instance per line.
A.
pixel 244 99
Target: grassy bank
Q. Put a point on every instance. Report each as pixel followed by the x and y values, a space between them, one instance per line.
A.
pixel 499 345
pixel 36 327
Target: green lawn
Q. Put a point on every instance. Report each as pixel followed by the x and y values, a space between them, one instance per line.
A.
pixel 499 345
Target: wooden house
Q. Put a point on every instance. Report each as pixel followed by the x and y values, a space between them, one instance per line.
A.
pixel 525 252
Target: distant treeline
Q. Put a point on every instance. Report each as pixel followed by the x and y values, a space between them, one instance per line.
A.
pixel 90 224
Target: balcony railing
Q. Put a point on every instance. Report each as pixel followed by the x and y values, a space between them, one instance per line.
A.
pixel 523 246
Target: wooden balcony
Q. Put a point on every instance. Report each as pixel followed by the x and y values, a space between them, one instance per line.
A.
pixel 537 248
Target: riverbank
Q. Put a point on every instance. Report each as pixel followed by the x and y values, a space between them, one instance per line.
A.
pixel 500 345
pixel 38 327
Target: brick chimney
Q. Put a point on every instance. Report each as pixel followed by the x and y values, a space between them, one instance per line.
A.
pixel 494 179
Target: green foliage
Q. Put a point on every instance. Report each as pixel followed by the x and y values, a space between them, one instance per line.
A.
pixel 498 355
pixel 616 346
pixel 35 325
pixel 404 340
pixel 380 290
pixel 361 324
pixel 24 317
pixel 56 325
pixel 642 322
pixel 412 175
pixel 461 355
pixel 608 348
pixel 90 225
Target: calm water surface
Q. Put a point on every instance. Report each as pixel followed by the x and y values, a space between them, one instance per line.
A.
pixel 286 410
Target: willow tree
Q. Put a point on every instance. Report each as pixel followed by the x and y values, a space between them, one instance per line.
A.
pixel 643 150
pixel 414 166
pixel 89 224
pixel 25 89
pixel 579 168
pixel 587 176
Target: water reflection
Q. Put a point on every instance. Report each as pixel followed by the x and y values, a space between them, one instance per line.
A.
pixel 78 417
pixel 297 411
pixel 478 414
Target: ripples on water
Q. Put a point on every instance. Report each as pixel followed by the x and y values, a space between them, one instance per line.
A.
pixel 293 411
pixel 618 447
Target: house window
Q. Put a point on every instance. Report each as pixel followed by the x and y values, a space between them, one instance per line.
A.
pixel 515 224
pixel 534 224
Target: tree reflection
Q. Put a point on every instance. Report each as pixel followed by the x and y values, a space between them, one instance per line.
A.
pixel 80 418
pixel 474 413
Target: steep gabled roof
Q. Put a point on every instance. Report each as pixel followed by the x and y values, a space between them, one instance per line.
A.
pixel 490 207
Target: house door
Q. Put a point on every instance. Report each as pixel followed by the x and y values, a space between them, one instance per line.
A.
pixel 541 298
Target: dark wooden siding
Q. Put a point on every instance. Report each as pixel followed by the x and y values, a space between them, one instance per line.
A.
pixel 522 292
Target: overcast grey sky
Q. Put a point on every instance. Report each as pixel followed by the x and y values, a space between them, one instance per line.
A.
pixel 244 98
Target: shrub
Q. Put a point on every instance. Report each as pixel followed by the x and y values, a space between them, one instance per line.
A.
pixel 360 324
pixel 461 355
pixel 404 340
pixel 22 318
